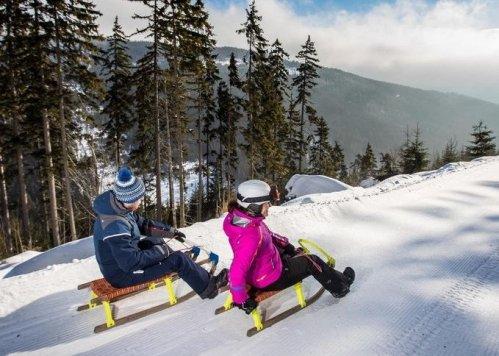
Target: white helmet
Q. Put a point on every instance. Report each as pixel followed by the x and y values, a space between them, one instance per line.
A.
pixel 253 192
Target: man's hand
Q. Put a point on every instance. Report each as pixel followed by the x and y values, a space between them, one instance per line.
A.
pixel 164 249
pixel 248 306
pixel 179 235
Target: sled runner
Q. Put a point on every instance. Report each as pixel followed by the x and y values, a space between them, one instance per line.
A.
pixel 103 293
pixel 259 320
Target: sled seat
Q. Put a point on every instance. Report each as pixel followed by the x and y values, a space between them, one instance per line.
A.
pixel 103 293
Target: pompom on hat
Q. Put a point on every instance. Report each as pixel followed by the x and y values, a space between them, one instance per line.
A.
pixel 128 188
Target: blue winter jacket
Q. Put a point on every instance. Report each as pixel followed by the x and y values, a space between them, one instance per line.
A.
pixel 117 232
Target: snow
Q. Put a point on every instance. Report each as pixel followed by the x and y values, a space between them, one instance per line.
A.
pixel 368 182
pixel 304 184
pixel 75 250
pixel 424 247
pixel 9 263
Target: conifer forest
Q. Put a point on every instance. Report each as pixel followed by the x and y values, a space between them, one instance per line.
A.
pixel 74 107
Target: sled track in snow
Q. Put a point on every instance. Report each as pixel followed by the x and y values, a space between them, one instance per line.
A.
pixel 443 315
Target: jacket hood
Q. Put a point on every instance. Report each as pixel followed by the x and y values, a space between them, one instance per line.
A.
pixel 106 204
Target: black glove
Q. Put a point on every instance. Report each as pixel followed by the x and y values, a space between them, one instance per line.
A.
pixel 164 249
pixel 290 250
pixel 149 242
pixel 248 306
pixel 179 235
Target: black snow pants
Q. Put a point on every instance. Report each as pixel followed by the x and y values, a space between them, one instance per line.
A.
pixel 296 268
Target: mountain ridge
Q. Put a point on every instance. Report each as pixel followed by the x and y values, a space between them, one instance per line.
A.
pixel 360 110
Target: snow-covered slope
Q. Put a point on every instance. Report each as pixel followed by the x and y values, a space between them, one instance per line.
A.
pixel 10 263
pixel 425 248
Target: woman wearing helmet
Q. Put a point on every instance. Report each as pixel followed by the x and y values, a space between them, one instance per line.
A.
pixel 265 260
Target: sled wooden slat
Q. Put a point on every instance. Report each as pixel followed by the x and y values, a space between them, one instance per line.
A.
pixel 143 313
pixel 106 292
pixel 285 314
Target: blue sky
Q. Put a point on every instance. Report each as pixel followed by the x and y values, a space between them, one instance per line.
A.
pixel 314 6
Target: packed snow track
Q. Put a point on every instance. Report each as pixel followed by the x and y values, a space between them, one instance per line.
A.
pixel 425 248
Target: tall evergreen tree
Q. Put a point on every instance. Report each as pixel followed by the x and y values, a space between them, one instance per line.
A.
pixel 200 68
pixel 304 82
pixel 340 168
pixel 149 72
pixel 368 163
pixel 354 177
pixel 274 113
pixel 73 47
pixel 388 166
pixel 450 153
pixel 41 89
pixel 321 151
pixel 234 116
pixel 482 143
pixel 14 22
pixel 257 44
pixel 118 101
pixel 414 154
pixel 292 138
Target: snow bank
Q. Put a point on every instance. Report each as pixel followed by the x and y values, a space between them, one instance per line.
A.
pixel 393 183
pixel 304 184
pixel 368 182
pixel 8 264
pixel 67 253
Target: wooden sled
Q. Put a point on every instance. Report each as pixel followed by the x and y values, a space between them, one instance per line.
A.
pixel 103 293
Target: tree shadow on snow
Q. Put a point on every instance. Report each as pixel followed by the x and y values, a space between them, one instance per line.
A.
pixel 48 321
pixel 490 184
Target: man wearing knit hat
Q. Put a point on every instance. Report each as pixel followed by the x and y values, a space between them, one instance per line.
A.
pixel 125 259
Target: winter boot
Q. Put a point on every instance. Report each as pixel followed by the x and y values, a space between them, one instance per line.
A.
pixel 349 273
pixel 215 283
pixel 347 280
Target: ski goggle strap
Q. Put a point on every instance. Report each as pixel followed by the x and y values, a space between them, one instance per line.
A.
pixel 261 199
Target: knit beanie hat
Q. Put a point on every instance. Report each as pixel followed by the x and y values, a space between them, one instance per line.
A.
pixel 128 188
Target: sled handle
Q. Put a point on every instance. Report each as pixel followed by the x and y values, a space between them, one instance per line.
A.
pixel 303 243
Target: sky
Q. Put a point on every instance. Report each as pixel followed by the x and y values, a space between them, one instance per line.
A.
pixel 445 45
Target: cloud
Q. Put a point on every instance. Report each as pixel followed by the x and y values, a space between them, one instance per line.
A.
pixel 450 45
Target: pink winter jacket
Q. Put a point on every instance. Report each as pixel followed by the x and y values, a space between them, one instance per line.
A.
pixel 256 259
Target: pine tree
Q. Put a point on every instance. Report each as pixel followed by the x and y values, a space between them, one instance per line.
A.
pixel 234 116
pixel 41 87
pixel 450 153
pixel 274 113
pixel 388 166
pixel 74 51
pixel 304 82
pixel 321 151
pixel 222 135
pixel 368 163
pixel 354 177
pixel 118 101
pixel 257 56
pixel 414 155
pixel 149 72
pixel 14 20
pixel 202 73
pixel 292 137
pixel 482 143
pixel 340 168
